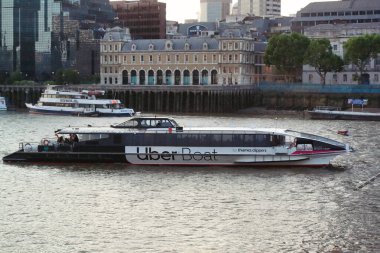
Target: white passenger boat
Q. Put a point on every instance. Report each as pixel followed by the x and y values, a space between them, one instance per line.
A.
pixel 161 141
pixel 3 104
pixel 83 103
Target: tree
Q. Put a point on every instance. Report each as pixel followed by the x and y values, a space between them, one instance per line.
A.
pixel 359 50
pixel 286 53
pixel 320 56
pixel 15 77
pixel 67 76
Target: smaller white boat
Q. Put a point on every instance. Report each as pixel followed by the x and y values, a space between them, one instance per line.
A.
pixel 78 103
pixel 335 113
pixel 3 104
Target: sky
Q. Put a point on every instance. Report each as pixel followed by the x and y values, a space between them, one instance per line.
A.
pixel 179 10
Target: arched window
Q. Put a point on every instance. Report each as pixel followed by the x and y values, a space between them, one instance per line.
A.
pixel 214 77
pixel 205 46
pixel 125 76
pixel 133 48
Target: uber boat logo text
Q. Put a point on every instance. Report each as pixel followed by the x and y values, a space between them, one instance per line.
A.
pixel 186 154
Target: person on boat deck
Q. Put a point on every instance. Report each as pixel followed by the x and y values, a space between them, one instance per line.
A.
pixel 74 138
pixel 59 138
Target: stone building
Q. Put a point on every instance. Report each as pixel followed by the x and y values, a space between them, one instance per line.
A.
pixel 190 61
pixel 337 12
pixel 338 35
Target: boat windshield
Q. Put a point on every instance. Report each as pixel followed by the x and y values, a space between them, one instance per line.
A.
pixel 148 123
pixel 314 137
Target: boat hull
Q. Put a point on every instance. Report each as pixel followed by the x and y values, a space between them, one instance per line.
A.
pixel 77 112
pixel 160 159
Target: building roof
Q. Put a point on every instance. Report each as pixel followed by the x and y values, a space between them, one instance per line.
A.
pixel 195 44
pixel 344 5
pixel 117 34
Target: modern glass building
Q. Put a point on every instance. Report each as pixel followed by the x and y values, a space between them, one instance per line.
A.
pixel 25 28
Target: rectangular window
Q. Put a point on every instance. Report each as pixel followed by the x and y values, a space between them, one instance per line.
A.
pixel 345 78
pixel 116 81
pixel 133 58
pixel 376 78
pixel 159 58
pixel 177 58
pixel 125 58
pixel 168 58
pixel 141 58
pixel 105 80
pixel 214 58
pixel 204 58
pixel 195 58
pixel 105 70
pixel 186 58
pixel 151 58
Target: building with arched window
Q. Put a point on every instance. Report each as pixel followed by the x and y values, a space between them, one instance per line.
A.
pixel 190 61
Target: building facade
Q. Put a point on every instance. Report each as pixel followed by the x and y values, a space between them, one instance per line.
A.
pixel 146 19
pixel 214 10
pixel 190 61
pixel 338 36
pixel 337 12
pixel 262 8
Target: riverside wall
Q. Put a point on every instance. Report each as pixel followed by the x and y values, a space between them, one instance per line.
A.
pixel 199 99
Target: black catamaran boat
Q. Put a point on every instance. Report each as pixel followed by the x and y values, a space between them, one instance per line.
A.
pixel 162 141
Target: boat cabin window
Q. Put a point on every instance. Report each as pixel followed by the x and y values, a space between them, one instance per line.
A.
pixel 203 140
pixel 92 137
pixel 303 147
pixel 148 123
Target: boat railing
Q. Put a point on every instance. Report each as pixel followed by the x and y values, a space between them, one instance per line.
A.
pixel 46 145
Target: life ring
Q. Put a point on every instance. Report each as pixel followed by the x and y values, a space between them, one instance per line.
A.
pixel 46 142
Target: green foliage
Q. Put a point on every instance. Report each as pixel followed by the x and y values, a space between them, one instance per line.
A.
pixel 359 51
pixel 320 56
pixel 24 82
pixel 14 77
pixel 67 76
pixel 286 53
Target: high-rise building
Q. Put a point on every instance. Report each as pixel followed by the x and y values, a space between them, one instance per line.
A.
pixel 262 8
pixel 25 28
pixel 146 19
pixel 214 10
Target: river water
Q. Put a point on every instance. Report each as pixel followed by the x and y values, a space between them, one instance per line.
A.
pixel 122 208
